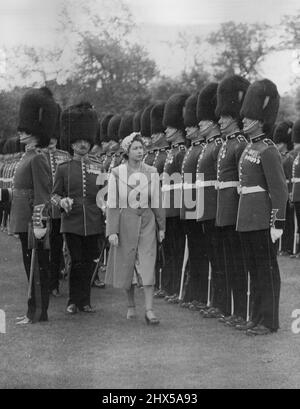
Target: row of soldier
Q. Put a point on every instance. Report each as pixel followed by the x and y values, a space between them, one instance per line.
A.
pixel 221 132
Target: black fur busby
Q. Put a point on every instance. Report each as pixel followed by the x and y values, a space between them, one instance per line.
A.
pixel 190 111
pixel 113 128
pixel 173 114
pixel 56 133
pixel 207 102
pixel 283 132
pixel 230 96
pixel 104 127
pixel 2 143
pixel 296 132
pixel 146 122
pixel 156 118
pixel 79 121
pixel 126 125
pixel 261 103
pixel 38 114
pixel 137 121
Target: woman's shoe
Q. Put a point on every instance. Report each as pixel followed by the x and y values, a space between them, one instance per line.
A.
pixel 131 313
pixel 88 309
pixel 151 321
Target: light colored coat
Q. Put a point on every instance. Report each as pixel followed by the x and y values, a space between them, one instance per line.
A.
pixel 135 222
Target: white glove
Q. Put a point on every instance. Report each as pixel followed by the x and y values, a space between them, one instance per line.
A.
pixel 113 240
pixel 66 203
pixel 276 234
pixel 39 232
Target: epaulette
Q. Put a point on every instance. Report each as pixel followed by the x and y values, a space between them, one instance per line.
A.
pixel 269 142
pixel 64 162
pixel 241 138
pixel 63 152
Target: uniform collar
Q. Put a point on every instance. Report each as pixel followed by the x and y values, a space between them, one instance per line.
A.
pixel 258 138
pixel 232 135
pixel 197 143
pixel 177 144
pixel 212 138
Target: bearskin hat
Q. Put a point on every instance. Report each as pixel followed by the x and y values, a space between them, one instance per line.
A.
pixel 126 125
pixel 104 127
pixel 145 122
pixel 296 132
pixel 207 102
pixel 283 133
pixel 38 114
pixel 230 96
pixel 2 143
pixel 79 121
pixel 137 121
pixel 261 103
pixel 156 118
pixel 113 128
pixel 173 113
pixel 190 111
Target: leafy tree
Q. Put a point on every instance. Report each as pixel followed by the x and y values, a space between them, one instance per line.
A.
pixel 240 48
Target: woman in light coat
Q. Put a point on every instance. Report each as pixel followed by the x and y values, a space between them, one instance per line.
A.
pixel 135 220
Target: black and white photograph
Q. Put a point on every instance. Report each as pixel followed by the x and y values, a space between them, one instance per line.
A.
pixel 149 197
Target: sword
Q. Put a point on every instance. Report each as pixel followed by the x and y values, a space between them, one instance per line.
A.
pixel 185 260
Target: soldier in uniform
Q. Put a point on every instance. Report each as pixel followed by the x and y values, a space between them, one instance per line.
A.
pixel 158 136
pixel 295 194
pixel 55 157
pixel 195 295
pixel 147 136
pixel 113 140
pixel 230 96
pixel 31 190
pixel 125 129
pixel 207 196
pixel 171 193
pixel 282 137
pixel 76 185
pixel 262 205
pixel 104 144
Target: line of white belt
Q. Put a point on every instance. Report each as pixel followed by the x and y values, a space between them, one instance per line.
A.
pixel 244 190
pixel 295 180
pixel 168 188
pixel 206 183
pixel 189 185
pixel 6 180
pixel 225 185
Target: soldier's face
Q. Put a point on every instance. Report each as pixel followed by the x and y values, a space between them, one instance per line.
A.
pixel 226 122
pixel 205 128
pixel 81 147
pixel 26 139
pixel 251 126
pixel 136 151
pixel 170 133
pixel 192 132
pixel 282 147
pixel 53 143
pixel 147 141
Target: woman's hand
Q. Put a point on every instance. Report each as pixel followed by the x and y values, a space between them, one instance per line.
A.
pixel 113 240
pixel 161 236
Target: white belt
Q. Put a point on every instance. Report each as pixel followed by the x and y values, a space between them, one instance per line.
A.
pixel 244 190
pixel 168 188
pixel 189 185
pixel 205 183
pixel 225 185
pixel 295 180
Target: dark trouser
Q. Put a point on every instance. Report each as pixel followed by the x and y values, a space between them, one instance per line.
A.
pixel 264 272
pixel 214 246
pixel 197 281
pixel 56 245
pixel 174 246
pixel 44 272
pixel 297 210
pixel 287 240
pixel 236 272
pixel 83 251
